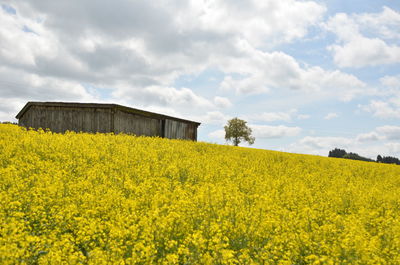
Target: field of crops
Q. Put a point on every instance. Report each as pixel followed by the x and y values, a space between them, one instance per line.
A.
pixel 119 199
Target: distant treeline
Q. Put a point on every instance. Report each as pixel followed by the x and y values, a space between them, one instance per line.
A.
pixel 8 122
pixel 341 153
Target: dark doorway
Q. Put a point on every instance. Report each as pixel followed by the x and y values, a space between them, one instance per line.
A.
pixel 163 128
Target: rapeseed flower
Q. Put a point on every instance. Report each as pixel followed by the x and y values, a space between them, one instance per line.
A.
pixel 118 199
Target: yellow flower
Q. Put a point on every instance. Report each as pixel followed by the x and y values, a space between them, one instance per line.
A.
pixel 118 199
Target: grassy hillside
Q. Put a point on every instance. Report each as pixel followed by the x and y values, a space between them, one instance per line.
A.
pixel 97 199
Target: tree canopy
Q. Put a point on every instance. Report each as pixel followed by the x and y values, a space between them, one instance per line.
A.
pixel 237 131
pixel 341 153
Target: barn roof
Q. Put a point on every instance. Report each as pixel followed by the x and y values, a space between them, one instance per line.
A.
pixel 102 106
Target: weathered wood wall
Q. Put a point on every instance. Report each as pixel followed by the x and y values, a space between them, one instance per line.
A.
pixel 136 124
pixel 180 130
pixel 61 119
pixel 95 119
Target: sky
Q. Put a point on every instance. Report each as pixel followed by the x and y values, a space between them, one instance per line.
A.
pixel 307 76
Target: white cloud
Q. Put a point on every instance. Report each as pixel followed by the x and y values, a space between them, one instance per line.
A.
pixel 214 117
pixel 260 72
pixel 389 132
pixel 222 102
pixel 326 142
pixel 385 24
pixel 370 144
pixel 134 52
pixel 383 109
pixel 218 134
pixel 391 81
pixel 354 49
pixel 140 54
pixel 163 96
pixel 141 47
pixel 255 21
pixel 303 116
pixel 388 104
pixel 21 85
pixel 331 115
pixel 286 116
pixel 163 38
pixel 363 51
pixel 10 105
pixel 20 47
pixel 266 131
pixel 322 146
pixel 393 147
pixel 367 137
pixel 274 116
pixel 250 85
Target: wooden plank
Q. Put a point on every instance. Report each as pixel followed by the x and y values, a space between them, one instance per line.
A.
pixel 62 118
pixel 87 106
pixel 136 124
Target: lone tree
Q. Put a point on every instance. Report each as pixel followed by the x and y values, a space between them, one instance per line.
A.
pixel 237 131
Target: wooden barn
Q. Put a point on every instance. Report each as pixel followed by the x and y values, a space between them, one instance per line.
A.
pixel 104 118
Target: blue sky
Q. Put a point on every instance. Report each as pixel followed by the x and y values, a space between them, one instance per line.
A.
pixel 308 76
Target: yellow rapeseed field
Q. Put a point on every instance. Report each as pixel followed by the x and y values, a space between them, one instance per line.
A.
pixel 119 199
